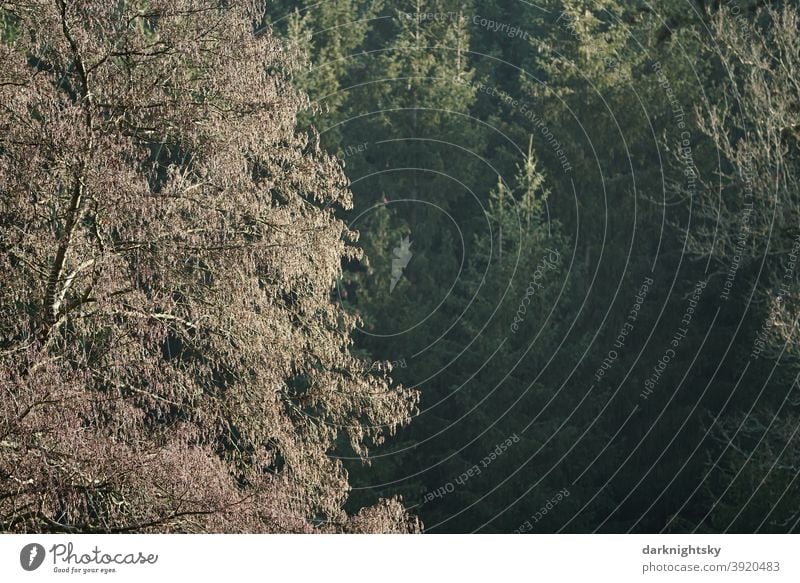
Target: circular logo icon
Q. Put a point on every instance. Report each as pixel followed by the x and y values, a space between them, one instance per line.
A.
pixel 31 556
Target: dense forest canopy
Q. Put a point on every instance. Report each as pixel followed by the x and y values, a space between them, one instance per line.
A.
pixel 399 265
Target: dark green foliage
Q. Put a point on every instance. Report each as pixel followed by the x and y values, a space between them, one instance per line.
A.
pixel 492 136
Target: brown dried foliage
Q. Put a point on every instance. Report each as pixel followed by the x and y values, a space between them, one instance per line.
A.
pixel 170 357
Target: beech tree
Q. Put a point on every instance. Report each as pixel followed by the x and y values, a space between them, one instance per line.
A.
pixel 170 356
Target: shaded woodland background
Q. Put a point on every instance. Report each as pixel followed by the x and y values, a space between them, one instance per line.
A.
pixel 392 266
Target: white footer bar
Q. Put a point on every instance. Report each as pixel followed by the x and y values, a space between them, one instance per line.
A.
pixel 399 558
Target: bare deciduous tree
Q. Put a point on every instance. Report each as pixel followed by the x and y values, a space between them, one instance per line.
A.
pixel 170 357
pixel 753 123
pixel 750 219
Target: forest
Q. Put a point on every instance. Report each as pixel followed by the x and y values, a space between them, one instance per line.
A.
pixel 399 266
